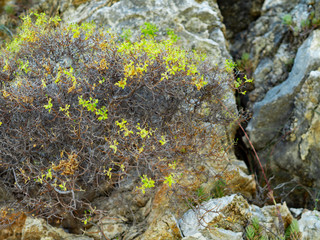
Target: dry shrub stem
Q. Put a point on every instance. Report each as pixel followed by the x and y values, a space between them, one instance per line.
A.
pixel 270 195
pixel 84 112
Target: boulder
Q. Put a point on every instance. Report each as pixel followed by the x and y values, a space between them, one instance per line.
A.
pixel 247 12
pixel 285 124
pixel 268 217
pixel 197 23
pixel 270 114
pixel 215 234
pixel 271 45
pixel 29 228
pixel 309 225
pixel 229 216
pixel 107 227
pixel 230 213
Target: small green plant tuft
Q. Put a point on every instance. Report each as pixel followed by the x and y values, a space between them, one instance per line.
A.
pixel 287 19
pixel 149 30
pixel 303 28
pixel 254 231
pixel 219 188
pixel 293 231
pixel 126 35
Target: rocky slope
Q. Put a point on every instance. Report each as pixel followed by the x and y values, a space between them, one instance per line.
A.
pixel 284 128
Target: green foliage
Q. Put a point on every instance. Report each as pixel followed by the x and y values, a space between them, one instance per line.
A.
pixel 254 231
pixel 149 30
pixel 172 35
pixel 250 232
pixel 80 107
pixel 219 188
pixel 230 65
pixel 199 196
pixel 239 82
pixel 245 64
pixel 304 27
pixel 9 9
pixel 316 197
pixel 126 35
pixel 202 194
pixel 287 19
pixel 49 105
pixel 146 183
pixel 293 231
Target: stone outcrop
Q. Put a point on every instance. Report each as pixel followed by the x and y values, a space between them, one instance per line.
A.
pixel 28 228
pixel 215 213
pixel 284 126
pixel 197 23
pixel 279 100
pixel 271 45
pixel 309 225
pixel 220 218
pixel 246 13
pixel 228 217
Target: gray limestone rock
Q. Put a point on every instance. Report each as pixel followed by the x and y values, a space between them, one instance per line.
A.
pixel 206 222
pixel 273 111
pixel 214 213
pixel 271 43
pixel 309 225
pixel 198 24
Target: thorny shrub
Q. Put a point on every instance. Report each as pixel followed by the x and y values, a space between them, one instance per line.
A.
pixel 80 107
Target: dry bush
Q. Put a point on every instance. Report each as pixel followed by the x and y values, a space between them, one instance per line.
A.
pixel 80 108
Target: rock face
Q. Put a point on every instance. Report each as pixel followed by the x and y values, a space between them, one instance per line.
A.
pixel 284 126
pixel 198 23
pixel 199 26
pixel 246 12
pixel 279 100
pixel 215 213
pixel 228 217
pixel 270 43
pixel 309 225
pixel 27 228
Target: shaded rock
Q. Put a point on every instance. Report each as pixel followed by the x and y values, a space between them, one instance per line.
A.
pixel 264 126
pixel 227 218
pixel 241 182
pixel 109 227
pixel 316 8
pixel 271 44
pixel 35 229
pixel 298 147
pixel 284 127
pixel 246 11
